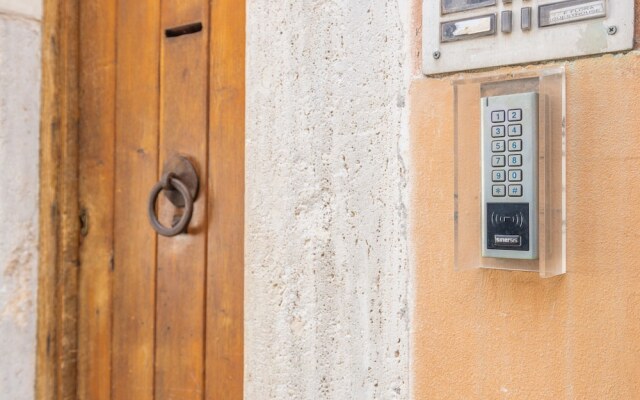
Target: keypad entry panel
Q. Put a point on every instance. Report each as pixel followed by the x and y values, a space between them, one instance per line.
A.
pixel 509 145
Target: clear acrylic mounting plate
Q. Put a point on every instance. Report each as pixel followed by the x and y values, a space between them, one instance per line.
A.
pixel 550 84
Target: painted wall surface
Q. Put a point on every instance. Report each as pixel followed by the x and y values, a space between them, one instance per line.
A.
pixel 326 213
pixel 19 128
pixel 511 335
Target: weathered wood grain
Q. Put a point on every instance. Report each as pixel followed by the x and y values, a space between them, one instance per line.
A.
pixel 225 273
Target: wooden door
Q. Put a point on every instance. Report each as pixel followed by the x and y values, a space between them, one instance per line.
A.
pixel 159 317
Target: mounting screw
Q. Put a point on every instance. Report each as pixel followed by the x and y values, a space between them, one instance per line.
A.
pixel 612 30
pixel 436 54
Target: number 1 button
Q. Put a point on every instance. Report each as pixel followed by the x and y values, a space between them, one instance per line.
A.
pixel 497 116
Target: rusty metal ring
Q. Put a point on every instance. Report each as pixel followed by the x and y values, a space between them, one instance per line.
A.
pixel 170 181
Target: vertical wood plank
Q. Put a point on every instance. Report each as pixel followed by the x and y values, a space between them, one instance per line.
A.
pixel 56 368
pixel 95 181
pixel 181 259
pixel 225 275
pixel 134 275
pixel 46 362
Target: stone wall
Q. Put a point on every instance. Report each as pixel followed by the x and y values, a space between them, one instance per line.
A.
pixel 327 269
pixel 19 138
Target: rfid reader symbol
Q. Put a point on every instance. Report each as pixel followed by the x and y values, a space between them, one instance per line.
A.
pixel 497 219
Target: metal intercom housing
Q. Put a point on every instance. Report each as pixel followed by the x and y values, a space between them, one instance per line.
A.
pixel 509 165
pixel 459 35
pixel 510 171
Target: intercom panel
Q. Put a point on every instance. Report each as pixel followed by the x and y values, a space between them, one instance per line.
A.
pixel 462 35
pixel 510 186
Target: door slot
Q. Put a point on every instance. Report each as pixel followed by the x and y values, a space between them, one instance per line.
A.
pixel 183 30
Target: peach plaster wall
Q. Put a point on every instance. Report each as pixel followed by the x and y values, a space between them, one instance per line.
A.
pixel 511 335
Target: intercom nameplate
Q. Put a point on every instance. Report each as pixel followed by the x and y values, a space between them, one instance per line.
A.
pixel 522 31
pixel 451 6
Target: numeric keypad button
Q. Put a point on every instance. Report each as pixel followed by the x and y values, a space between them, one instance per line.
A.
pixel 515 130
pixel 515 114
pixel 499 190
pixel 497 131
pixel 515 160
pixel 498 176
pixel 515 145
pixel 515 175
pixel 498 161
pixel 497 146
pixel 515 190
pixel 497 116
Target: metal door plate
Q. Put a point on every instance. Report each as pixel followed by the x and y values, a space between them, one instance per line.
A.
pixel 186 172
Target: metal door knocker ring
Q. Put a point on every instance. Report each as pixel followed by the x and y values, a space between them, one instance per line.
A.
pixel 180 186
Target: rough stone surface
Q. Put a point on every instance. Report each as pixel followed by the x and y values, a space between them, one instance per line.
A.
pixel 31 9
pixel 19 128
pixel 326 239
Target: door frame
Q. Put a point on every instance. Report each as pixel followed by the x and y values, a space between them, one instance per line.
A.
pixel 61 221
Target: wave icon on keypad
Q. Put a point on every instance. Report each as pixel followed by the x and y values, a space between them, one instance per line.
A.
pixel 498 219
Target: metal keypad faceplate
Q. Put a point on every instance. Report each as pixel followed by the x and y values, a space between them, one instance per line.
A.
pixel 509 145
pixel 463 35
